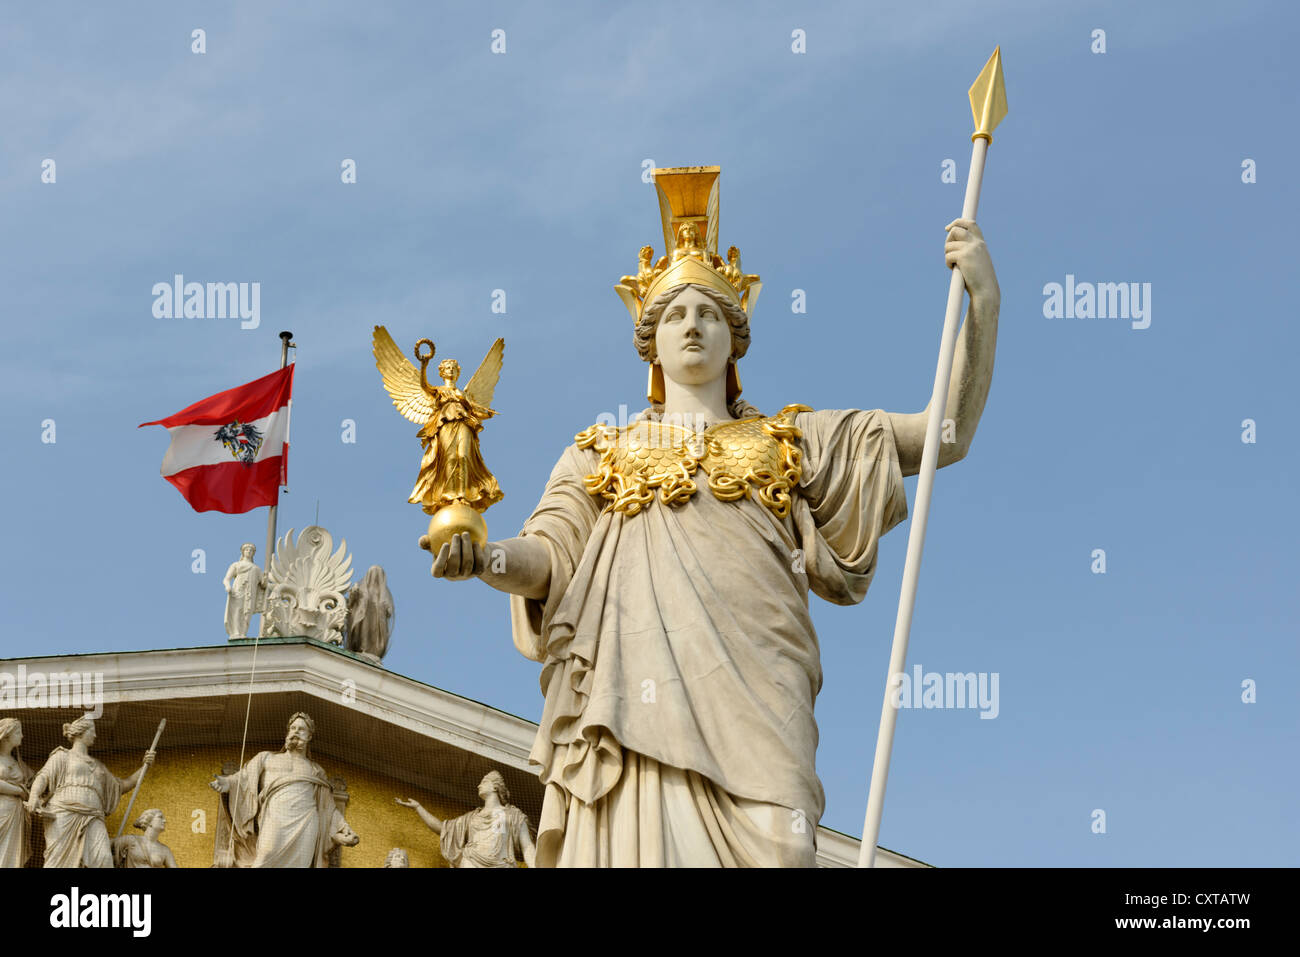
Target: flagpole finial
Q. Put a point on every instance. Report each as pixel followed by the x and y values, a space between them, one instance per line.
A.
pixel 988 98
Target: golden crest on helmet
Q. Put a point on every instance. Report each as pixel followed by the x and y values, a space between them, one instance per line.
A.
pixel 688 207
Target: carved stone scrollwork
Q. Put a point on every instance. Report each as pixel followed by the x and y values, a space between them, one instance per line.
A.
pixel 306 587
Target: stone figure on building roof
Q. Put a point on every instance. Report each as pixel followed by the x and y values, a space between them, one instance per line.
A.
pixel 306 587
pixel 370 616
pixel 245 592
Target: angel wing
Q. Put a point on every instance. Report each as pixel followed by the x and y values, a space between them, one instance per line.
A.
pixel 402 379
pixel 484 382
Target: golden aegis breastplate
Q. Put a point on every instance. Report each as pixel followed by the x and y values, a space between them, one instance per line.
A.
pixel 757 456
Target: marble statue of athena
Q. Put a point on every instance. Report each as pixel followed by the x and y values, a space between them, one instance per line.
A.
pixel 662 581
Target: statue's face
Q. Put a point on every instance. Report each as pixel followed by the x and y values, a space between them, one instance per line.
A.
pixel 298 735
pixel 693 339
pixel 88 736
pixel 247 552
pixel 487 786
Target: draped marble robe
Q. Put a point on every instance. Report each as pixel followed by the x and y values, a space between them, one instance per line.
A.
pixel 680 663
pixel 481 838
pixel 282 816
pixel 15 842
pixel 134 851
pixel 82 793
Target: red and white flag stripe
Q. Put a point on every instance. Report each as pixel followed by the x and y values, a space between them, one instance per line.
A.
pixel 230 451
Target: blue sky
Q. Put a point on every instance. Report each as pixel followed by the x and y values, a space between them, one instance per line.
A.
pixel 522 172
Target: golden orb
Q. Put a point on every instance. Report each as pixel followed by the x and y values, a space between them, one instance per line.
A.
pixel 450 520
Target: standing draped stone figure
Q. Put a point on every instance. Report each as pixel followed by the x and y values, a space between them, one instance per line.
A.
pixel 82 793
pixel 370 616
pixel 245 589
pixel 680 664
pixel 15 777
pixel 663 579
pixel 280 806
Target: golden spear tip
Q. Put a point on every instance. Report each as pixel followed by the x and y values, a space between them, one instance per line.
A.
pixel 988 97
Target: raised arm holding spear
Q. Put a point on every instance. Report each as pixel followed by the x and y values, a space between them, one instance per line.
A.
pixel 988 101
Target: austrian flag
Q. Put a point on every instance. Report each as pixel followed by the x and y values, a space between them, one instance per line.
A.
pixel 230 451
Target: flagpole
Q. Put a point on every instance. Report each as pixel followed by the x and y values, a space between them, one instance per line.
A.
pixel 285 344
pixel 988 106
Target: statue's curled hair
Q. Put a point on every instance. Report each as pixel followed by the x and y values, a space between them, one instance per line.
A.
pixel 145 820
pixel 498 784
pixel 72 730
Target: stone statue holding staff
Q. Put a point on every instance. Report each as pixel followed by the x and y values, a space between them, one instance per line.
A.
pixel 82 792
pixel 662 581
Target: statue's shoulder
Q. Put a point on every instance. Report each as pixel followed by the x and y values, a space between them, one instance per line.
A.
pixel 787 414
pixel 832 433
pixel 829 417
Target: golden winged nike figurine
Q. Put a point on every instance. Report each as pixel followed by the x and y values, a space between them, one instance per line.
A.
pixel 454 485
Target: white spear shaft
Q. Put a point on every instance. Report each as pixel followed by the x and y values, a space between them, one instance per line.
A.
pixel 140 780
pixel 986 117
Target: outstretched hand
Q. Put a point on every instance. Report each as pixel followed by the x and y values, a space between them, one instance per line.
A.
pixel 458 559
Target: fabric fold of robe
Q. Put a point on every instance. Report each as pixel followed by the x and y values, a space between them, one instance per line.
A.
pixel 15 842
pixel 482 839
pixel 82 793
